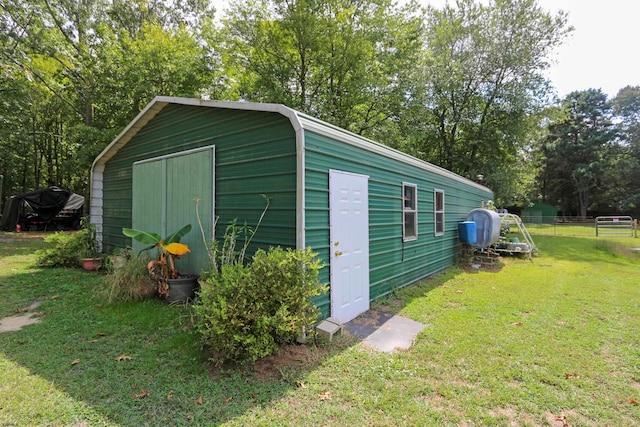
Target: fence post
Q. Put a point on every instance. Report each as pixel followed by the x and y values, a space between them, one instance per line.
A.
pixel 635 228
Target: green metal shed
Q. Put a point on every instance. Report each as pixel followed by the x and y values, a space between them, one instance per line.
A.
pixel 540 213
pixel 379 219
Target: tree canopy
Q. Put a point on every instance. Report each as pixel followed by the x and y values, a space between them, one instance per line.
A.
pixel 460 86
pixel 480 86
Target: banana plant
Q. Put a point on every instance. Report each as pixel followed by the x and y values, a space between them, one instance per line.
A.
pixel 168 248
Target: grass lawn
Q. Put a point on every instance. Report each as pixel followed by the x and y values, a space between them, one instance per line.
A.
pixel 551 342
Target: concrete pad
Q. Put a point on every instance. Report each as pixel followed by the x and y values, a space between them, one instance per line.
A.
pixel 384 331
pixel 15 323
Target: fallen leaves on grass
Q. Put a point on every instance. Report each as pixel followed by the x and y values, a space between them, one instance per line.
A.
pixel 228 399
pixel 123 357
pixel 300 384
pixel 633 401
pixel 170 395
pixel 572 375
pixel 75 362
pixel 199 400
pixel 143 393
pixel 325 396
pixel 517 324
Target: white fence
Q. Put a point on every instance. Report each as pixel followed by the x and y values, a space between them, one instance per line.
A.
pixel 580 226
pixel 621 226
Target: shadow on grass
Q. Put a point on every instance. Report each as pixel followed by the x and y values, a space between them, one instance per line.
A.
pixel 134 363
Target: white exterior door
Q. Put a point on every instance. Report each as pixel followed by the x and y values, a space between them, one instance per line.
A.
pixel 349 233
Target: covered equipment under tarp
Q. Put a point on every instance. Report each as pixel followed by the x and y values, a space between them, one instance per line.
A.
pixel 46 204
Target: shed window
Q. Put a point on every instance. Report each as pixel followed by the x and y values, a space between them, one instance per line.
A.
pixel 438 211
pixel 409 211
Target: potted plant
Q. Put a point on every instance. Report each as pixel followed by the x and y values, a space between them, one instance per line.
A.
pixel 174 286
pixel 90 251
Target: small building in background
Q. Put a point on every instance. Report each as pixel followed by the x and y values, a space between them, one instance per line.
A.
pixel 539 213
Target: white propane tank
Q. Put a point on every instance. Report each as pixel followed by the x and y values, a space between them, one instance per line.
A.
pixel 487 227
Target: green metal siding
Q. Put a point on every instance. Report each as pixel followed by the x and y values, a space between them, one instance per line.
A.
pixel 393 263
pixel 255 153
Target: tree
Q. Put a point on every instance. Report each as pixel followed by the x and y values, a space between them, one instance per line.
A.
pixel 626 106
pixel 74 72
pixel 576 151
pixel 479 85
pixel 156 62
pixel 343 61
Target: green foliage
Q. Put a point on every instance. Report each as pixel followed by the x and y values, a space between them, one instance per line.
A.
pixel 577 151
pixel 230 252
pixel 624 193
pixel 64 251
pixel 342 61
pixel 168 249
pixel 127 278
pixel 88 239
pixel 154 239
pixel 480 81
pixel 459 86
pixel 246 312
pixel 75 73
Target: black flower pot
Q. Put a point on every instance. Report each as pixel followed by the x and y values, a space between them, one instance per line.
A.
pixel 182 289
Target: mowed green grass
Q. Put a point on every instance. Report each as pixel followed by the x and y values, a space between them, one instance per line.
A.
pixel 549 342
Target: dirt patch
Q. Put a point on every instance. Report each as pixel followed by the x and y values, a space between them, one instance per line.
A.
pixel 290 360
pixel 290 357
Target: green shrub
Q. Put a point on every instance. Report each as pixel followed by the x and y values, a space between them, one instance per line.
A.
pixel 65 251
pixel 246 312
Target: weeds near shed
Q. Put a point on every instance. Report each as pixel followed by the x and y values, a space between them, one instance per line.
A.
pixel 228 254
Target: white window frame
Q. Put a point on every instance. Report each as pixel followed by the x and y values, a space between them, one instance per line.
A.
pixel 438 212
pixel 408 211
